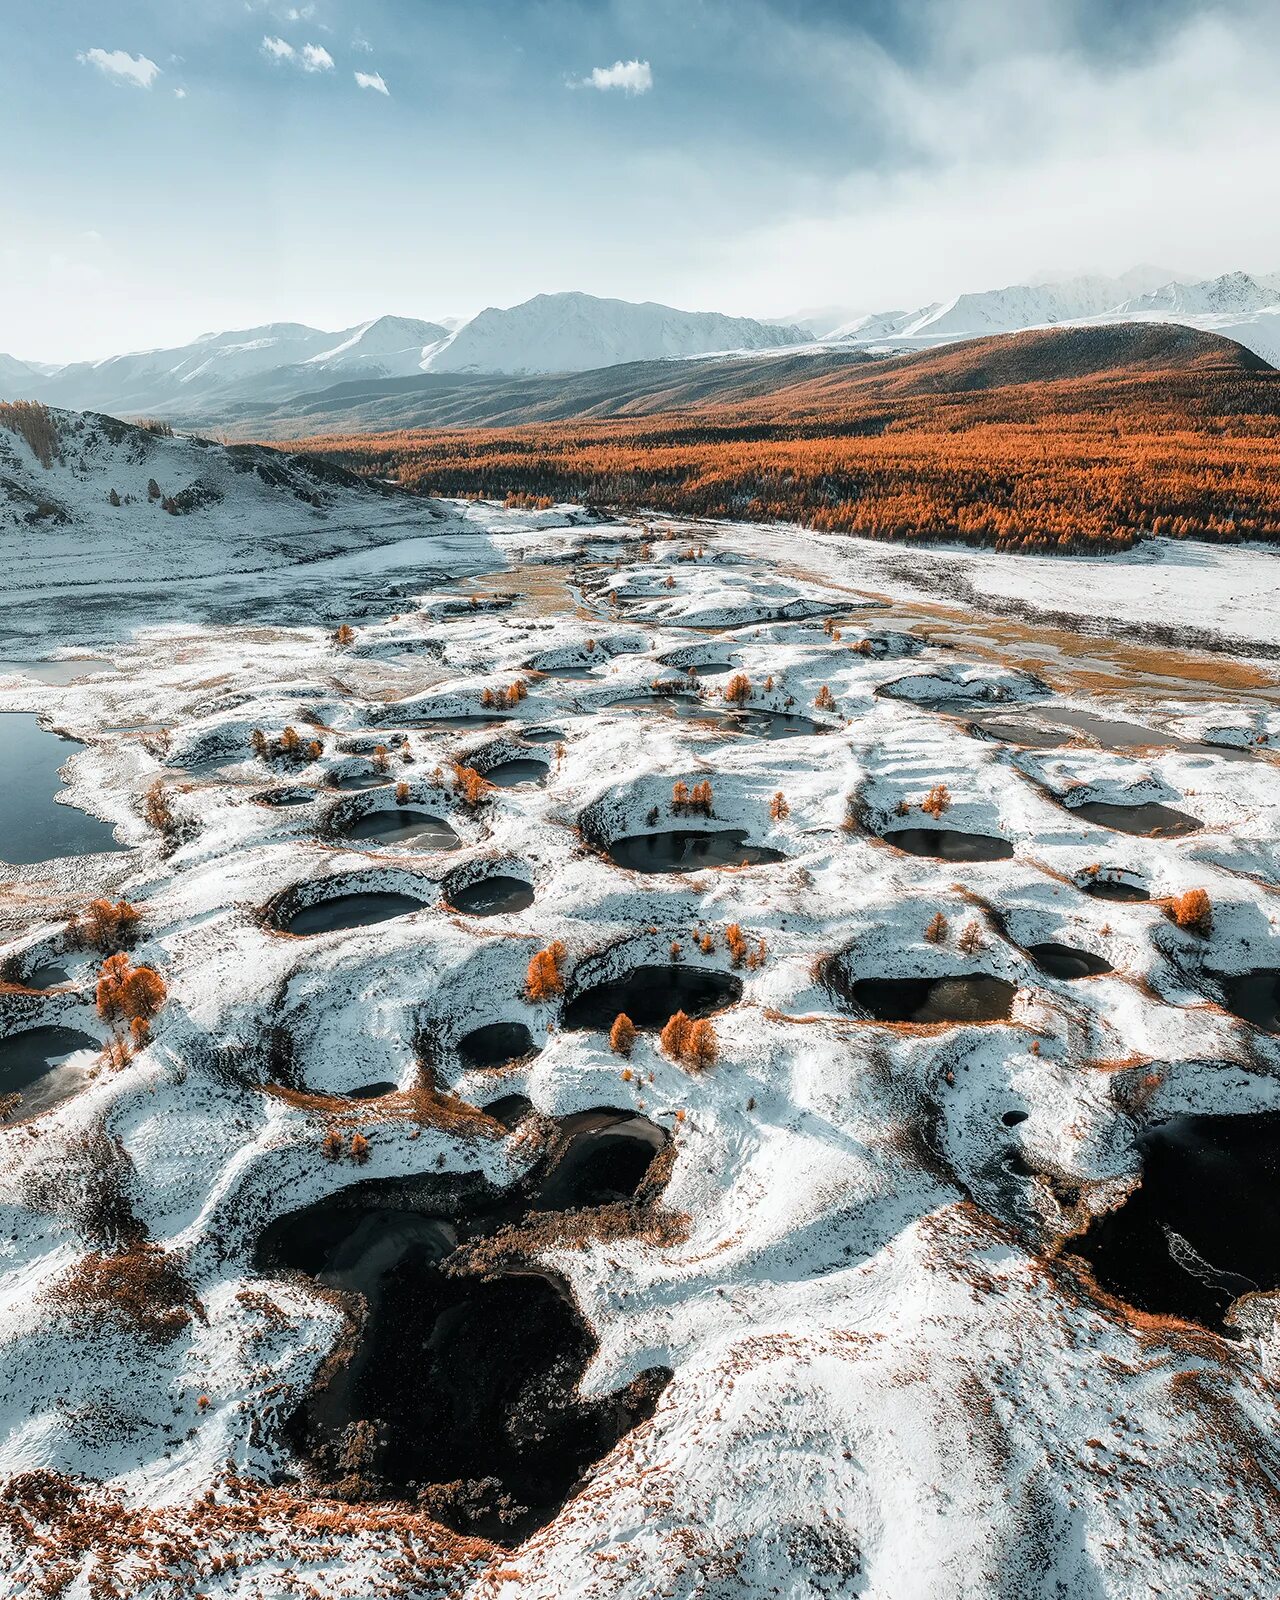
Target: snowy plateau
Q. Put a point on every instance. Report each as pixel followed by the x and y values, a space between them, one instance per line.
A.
pixel 933 1257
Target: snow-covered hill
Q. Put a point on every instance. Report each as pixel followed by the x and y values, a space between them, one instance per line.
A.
pixel 578 332
pixel 1239 306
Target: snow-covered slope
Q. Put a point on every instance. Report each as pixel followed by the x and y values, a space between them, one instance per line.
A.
pixel 577 332
pixel 1239 306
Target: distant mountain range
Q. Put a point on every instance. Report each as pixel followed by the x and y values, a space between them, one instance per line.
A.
pixel 1235 305
pixel 287 378
pixel 550 333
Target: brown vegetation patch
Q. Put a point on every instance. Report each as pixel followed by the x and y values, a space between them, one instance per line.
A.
pixel 141 1288
pixel 59 1532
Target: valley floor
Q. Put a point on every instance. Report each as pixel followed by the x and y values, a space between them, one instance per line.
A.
pixel 891 1312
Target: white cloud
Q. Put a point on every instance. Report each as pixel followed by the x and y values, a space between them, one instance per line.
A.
pixel 372 80
pixel 632 77
pixel 311 58
pixel 179 94
pixel 121 67
pixel 300 13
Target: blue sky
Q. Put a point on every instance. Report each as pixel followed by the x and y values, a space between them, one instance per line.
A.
pixel 183 173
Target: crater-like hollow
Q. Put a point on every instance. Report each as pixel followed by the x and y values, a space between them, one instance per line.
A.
pixel 1113 883
pixel 460 1387
pixel 1030 735
pixel 496 1044
pixel 286 797
pixel 949 844
pixel 651 996
pixel 360 778
pixel 1254 995
pixel 1203 1227
pixel 542 735
pixel 969 997
pixel 40 1068
pixel 516 770
pixel 758 724
pixel 1065 961
pixel 405 827
pixel 689 850
pixel 357 909
pixel 1149 819
pixel 490 894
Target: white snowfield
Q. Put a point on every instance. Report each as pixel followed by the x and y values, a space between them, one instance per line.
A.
pixel 885 1384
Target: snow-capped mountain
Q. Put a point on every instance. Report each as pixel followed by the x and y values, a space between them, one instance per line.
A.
pixel 280 357
pixel 1239 306
pixel 550 333
pixel 1233 294
pixel 578 332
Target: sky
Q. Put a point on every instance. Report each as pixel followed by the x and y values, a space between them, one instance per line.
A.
pixel 177 168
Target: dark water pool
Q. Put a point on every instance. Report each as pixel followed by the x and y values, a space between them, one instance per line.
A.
pixel 32 826
pixel 650 995
pixel 462 1388
pixel 519 769
pixel 682 850
pixel 1255 996
pixel 1121 889
pixel 572 674
pixel 350 782
pixel 488 897
pixel 1064 961
pixel 949 844
pixel 1204 1225
pixel 494 1045
pixel 405 828
pixel 360 910
pixel 970 998
pixel 1143 819
pixel 34 1067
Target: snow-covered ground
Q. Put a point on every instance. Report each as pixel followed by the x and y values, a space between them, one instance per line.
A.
pixel 884 1383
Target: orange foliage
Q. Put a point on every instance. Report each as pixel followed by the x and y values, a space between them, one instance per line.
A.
pixel 738 689
pixel 1192 910
pixel 543 979
pixel 994 442
pixel 106 925
pixel 779 807
pixel 622 1036
pixel 936 801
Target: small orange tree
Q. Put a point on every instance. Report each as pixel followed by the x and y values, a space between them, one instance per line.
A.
pixel 1192 910
pixel 778 807
pixel 936 801
pixel 825 700
pixel 674 1037
pixel 344 636
pixel 107 926
pixel 738 689
pixel 129 994
pixel 622 1036
pixel 936 931
pixel 543 978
